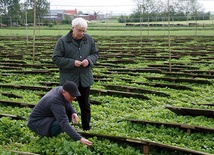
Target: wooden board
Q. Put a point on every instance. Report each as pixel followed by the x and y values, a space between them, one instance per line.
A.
pixel 191 111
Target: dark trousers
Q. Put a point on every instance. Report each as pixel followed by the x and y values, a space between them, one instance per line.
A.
pixel 55 129
pixel 84 104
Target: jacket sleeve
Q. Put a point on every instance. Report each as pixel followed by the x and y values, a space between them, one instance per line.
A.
pixel 58 56
pixel 92 58
pixel 71 109
pixel 59 112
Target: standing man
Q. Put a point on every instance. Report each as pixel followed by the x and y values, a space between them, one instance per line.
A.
pixel 75 54
pixel 52 115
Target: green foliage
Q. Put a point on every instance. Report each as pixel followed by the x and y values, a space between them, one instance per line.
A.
pixel 67 20
pixel 13 131
pixel 108 118
pixel 50 25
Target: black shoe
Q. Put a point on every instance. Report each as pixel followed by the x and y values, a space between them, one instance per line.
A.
pixel 87 129
pixel 39 138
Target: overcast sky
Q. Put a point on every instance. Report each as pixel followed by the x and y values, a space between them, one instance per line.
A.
pixel 116 6
pixel 107 6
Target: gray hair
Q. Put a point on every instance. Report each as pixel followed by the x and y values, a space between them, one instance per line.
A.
pixel 79 21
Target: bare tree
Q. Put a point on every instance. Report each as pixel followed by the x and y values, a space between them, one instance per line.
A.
pixel 177 7
pixel 42 7
pixel 10 9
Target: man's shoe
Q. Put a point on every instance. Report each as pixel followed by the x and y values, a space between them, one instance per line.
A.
pixel 87 129
pixel 39 138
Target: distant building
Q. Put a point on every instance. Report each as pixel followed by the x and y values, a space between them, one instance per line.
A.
pixel 54 15
pixel 59 15
pixel 88 17
pixel 71 13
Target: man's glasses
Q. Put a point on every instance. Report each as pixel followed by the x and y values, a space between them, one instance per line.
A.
pixel 81 31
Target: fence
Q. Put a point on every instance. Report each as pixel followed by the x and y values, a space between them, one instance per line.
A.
pixel 111 26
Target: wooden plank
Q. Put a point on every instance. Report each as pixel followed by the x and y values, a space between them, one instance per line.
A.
pixel 144 142
pixel 19 104
pixel 142 70
pixel 187 127
pixel 45 88
pixel 208 72
pixel 135 90
pixel 163 85
pixel 191 111
pixel 189 80
pixel 204 104
pixel 10 95
pixel 10 68
pixel 41 71
pixel 188 74
pixel 119 93
pixel 11 116
pixel 24 153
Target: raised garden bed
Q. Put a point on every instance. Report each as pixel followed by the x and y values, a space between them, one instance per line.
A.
pixel 191 111
pixel 135 90
pixel 173 79
pixel 147 145
pixel 113 99
pixel 188 128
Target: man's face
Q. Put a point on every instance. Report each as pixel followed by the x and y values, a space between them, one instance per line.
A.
pixel 78 32
pixel 67 96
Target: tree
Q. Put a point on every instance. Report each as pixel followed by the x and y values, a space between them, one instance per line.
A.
pixel 42 7
pixel 4 7
pixel 10 11
pixel 146 9
pixel 14 11
pixel 80 12
pixel 178 9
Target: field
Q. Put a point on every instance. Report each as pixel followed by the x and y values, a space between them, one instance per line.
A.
pixel 148 97
pixel 113 28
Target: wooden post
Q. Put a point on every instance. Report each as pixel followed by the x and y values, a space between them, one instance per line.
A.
pixel 189 131
pixel 145 149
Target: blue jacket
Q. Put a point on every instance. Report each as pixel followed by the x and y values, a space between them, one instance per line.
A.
pixel 53 106
pixel 67 50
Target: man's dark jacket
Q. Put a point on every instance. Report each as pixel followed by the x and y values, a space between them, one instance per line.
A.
pixel 53 106
pixel 67 50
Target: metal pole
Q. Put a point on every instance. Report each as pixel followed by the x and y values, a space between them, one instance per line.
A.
pixel 106 22
pixel 26 26
pixel 169 41
pixel 34 31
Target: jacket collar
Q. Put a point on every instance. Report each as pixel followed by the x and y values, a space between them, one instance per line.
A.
pixel 70 39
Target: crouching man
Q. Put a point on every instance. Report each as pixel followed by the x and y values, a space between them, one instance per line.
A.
pixel 54 112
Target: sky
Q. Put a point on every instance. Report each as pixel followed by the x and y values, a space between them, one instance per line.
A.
pixel 108 6
pixel 89 6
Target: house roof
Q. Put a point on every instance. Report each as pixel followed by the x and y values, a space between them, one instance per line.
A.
pixel 70 12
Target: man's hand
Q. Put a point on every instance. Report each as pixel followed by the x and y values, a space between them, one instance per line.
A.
pixel 75 118
pixel 85 63
pixel 77 63
pixel 85 141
